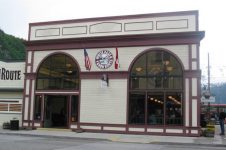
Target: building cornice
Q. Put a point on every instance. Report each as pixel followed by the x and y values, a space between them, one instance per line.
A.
pixel 118 41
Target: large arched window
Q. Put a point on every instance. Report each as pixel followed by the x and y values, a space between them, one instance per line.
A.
pixel 58 72
pixel 156 87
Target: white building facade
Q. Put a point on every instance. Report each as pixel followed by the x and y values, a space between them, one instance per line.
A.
pixel 11 90
pixel 123 74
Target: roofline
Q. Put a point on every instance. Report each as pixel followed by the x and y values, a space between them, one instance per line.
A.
pixel 135 16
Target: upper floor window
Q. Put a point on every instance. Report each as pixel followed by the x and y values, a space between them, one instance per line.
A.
pixel 156 70
pixel 58 72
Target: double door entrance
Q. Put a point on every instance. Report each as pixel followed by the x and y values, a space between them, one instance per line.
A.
pixel 56 111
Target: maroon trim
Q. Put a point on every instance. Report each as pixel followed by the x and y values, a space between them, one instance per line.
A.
pixel 99 74
pixel 32 61
pixel 57 92
pixel 29 101
pixel 31 76
pixel 190 57
pixel 25 78
pixel 198 101
pixel 29 34
pixel 9 101
pixel 144 127
pixel 117 41
pixel 198 56
pixel 152 15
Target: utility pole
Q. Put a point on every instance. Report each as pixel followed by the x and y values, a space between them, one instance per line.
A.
pixel 208 73
pixel 208 91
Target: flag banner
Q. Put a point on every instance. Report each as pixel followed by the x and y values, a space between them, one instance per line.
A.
pixel 88 63
pixel 117 60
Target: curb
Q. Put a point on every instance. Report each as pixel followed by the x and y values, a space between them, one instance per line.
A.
pixel 112 140
pixel 54 136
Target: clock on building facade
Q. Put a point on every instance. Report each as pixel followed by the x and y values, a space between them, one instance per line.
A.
pixel 104 59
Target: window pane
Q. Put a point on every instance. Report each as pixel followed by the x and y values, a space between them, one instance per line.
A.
pixel 136 108
pixel 155 107
pixel 38 104
pixel 154 66
pixel 154 82
pixel 74 109
pixel 173 83
pixel 139 67
pixel 58 61
pixel 174 68
pixel 42 84
pixel 138 83
pixel 174 111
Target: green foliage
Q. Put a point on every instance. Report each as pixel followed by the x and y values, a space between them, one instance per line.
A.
pixel 11 48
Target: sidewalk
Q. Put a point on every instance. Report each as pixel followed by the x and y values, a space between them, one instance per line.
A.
pixel 217 140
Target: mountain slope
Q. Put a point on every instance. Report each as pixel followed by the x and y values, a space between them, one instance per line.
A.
pixel 219 90
pixel 11 48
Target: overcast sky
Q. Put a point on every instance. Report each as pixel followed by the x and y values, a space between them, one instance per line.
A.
pixel 15 15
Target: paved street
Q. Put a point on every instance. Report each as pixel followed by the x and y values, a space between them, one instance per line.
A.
pixel 14 142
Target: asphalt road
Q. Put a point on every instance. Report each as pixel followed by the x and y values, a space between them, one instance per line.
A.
pixel 12 142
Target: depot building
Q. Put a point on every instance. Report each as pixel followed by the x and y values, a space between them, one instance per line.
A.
pixel 134 74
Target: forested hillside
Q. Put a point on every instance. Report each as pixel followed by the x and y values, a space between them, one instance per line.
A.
pixel 11 48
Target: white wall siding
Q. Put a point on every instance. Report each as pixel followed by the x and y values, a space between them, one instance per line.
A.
pixel 26 100
pixel 29 54
pixel 27 87
pixel 6 117
pixel 126 56
pixel 174 131
pixel 194 65
pixel 99 105
pixel 194 87
pixel 11 95
pixel 194 112
pixel 194 51
pixel 109 27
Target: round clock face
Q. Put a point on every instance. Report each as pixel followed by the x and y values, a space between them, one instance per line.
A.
pixel 104 59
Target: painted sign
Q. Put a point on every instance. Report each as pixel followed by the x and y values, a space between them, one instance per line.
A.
pixel 6 74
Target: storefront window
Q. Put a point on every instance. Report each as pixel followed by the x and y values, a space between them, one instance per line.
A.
pixel 159 76
pixel 74 109
pixel 38 106
pixel 137 108
pixel 155 106
pixel 58 72
pixel 173 107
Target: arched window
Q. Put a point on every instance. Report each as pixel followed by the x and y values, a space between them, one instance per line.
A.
pixel 156 87
pixel 58 72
